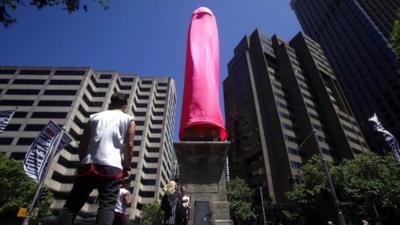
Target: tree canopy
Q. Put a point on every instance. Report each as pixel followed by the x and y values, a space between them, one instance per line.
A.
pixel 240 197
pixel 395 38
pixel 152 214
pixel 367 186
pixel 16 189
pixel 9 6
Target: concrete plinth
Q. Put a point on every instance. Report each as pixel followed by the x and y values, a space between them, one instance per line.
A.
pixel 201 167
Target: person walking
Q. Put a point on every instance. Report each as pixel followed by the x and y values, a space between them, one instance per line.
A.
pixel 123 201
pixel 170 203
pixel 184 209
pixel 107 136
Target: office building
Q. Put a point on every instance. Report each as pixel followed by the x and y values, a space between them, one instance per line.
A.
pixel 68 96
pixel 276 93
pixel 355 37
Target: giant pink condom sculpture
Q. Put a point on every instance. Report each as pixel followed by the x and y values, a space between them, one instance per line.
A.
pixel 201 117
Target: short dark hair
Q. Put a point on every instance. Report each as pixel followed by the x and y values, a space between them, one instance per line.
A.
pixel 118 100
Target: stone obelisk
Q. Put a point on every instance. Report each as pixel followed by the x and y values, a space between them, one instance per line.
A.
pixel 203 148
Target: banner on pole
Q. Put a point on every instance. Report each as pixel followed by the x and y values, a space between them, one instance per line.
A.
pixel 37 157
pixel 389 137
pixel 5 117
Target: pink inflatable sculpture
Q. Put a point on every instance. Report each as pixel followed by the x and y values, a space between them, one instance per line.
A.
pixel 201 117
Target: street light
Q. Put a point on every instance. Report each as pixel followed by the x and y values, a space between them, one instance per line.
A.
pixel 327 174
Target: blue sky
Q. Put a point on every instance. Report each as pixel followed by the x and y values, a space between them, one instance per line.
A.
pixel 144 37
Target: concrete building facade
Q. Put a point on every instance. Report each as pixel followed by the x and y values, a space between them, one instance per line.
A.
pixel 355 36
pixel 67 96
pixel 276 93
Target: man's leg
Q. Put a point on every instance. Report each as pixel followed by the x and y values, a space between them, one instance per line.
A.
pixel 108 192
pixel 79 194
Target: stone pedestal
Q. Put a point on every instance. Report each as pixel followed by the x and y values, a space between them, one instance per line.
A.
pixel 201 167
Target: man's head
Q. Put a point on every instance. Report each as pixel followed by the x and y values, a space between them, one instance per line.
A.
pixel 119 101
pixel 183 189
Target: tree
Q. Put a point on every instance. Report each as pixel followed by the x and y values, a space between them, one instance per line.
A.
pixel 240 196
pixel 152 214
pixel 16 189
pixel 369 185
pixel 395 38
pixel 70 5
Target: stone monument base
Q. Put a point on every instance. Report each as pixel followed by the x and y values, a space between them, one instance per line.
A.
pixel 201 168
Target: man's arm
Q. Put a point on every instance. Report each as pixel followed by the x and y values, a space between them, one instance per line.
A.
pixel 127 199
pixel 84 142
pixel 129 140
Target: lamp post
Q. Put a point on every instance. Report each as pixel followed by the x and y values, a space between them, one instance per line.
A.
pixel 327 175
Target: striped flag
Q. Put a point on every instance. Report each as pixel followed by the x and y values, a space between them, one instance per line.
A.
pixel 5 117
pixel 42 150
pixel 389 138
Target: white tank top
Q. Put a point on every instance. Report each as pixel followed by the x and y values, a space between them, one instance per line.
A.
pixel 107 134
pixel 120 207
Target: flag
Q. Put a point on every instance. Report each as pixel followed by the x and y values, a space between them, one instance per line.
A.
pixel 5 117
pixel 43 148
pixel 389 138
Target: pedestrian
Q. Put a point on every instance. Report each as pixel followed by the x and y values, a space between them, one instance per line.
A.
pixel 184 209
pixel 107 136
pixel 169 204
pixel 123 201
pixel 364 222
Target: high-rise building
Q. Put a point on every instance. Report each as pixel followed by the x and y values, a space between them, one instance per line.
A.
pixel 355 36
pixel 68 96
pixel 276 93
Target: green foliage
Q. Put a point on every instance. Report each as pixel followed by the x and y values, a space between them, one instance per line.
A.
pixel 16 189
pixel 70 5
pixel 240 197
pixel 395 38
pixel 152 214
pixel 369 184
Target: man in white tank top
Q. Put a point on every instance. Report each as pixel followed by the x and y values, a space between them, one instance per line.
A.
pixel 123 201
pixel 107 136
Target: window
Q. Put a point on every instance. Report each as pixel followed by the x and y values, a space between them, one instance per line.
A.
pixel 59 92
pixel 156 113
pixel 139 123
pixel 127 79
pixel 162 84
pixel 83 111
pixel 139 113
pixel 146 194
pixel 151 159
pixel 22 92
pixel 105 76
pixel 28 81
pixel 18 155
pixel 65 82
pixel 4 81
pixel 12 127
pixel 295 165
pixel 49 115
pixel 16 102
pixel 6 141
pixel 146 81
pixel 149 170
pixel 137 143
pixel 153 149
pixel 25 141
pixel 147 181
pixel 6 71
pixel 154 140
pixel 54 103
pixel 35 72
pixel 34 127
pixel 70 72
pixel 126 87
pixel 20 114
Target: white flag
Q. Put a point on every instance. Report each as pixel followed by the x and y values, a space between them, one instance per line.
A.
pixel 38 155
pixel 5 117
pixel 389 138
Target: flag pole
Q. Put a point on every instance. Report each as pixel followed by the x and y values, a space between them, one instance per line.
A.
pixel 43 178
